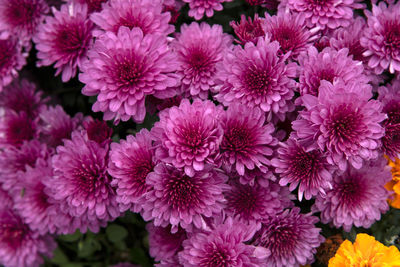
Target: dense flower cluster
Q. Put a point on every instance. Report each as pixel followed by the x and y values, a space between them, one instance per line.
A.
pixel 216 142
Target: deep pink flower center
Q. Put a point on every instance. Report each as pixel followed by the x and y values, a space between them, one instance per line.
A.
pixel 392 109
pixel 257 81
pixel 98 131
pixel 192 136
pixel 392 35
pixel 350 191
pixel 88 176
pixel 20 129
pixel 128 72
pixel 182 192
pixel 218 257
pixel 357 51
pixel 279 237
pixel 199 60
pixel 344 125
pixel 304 165
pixel 7 51
pixel 11 234
pixel 237 138
pixel 143 165
pixel 95 5
pixel 71 38
pixel 22 12
pixel 243 200
pixel 287 36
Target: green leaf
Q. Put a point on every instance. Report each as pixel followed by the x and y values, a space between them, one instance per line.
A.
pixel 139 256
pixel 116 233
pixel 72 264
pixel 59 257
pixel 71 238
pixel 87 247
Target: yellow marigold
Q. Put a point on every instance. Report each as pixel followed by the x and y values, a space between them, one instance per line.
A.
pixel 365 252
pixel 394 185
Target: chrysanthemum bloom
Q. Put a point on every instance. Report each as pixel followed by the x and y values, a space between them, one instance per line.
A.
pixel 20 18
pixel 309 169
pixel 256 76
pixel 199 48
pixel 144 14
pixel 248 30
pixel 180 200
pixel 251 204
pixel 357 197
pixel 21 95
pixel 268 4
pixel 328 249
pixel 164 244
pixel 97 131
pixel 123 69
pixel 55 125
pixel 328 65
pixel 64 40
pixel 394 184
pixel 16 159
pixel 20 246
pixel 189 135
pixel 222 246
pixel 199 8
pixel 382 38
pixel 389 95
pixel 290 31
pixel 325 14
pixel 349 131
pixel 93 5
pixel 365 251
pixel 12 60
pixel 16 128
pixel 129 164
pixel 81 182
pixel 291 237
pixel 247 142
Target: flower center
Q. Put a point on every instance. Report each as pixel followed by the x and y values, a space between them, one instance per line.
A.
pixel 140 171
pixel 11 234
pixel 22 12
pixel 257 81
pixel 217 258
pixel 128 72
pixel 192 136
pixel 20 129
pixel 6 54
pixel 182 193
pixel 280 239
pixel 286 36
pixel 98 131
pixel 236 138
pixel 243 200
pixel 304 164
pixel 199 60
pixel 392 109
pixel 70 38
pixel 95 5
pixel 87 176
pixel 325 74
pixel 345 125
pixel 392 36
pixel 350 191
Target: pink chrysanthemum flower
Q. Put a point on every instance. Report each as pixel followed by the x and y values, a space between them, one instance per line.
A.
pixel 22 95
pixel 144 14
pixel 222 246
pixel 291 237
pixel 199 8
pixel 389 95
pixel 324 14
pixel 309 169
pixel 128 67
pixel 16 159
pixel 290 31
pixel 180 200
pixel 93 5
pixel 129 164
pixel 163 244
pixel 189 136
pixel 328 65
pixel 268 4
pixel 55 125
pixel 199 48
pixel 349 131
pixel 81 182
pixel 64 40
pixel 256 76
pixel 357 197
pixel 20 18
pixel 382 38
pixel 252 204
pixel 247 142
pixel 20 246
pixel 248 30
pixel 16 128
pixel 97 131
pixel 11 61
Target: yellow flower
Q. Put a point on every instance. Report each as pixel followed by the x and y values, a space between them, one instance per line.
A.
pixel 365 252
pixel 394 185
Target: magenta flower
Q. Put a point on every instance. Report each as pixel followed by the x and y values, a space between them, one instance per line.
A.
pixel 199 48
pixel 22 95
pixel 328 65
pixel 163 244
pixel 347 130
pixel 382 38
pixel 309 169
pixel 248 30
pixel 291 237
pixel 6 201
pixel 256 76
pixel 290 31
pixel 20 246
pixel 97 131
pixel 252 204
pixel 330 14
pixel 128 67
pixel 199 8
pixel 389 95
pixel 144 14
pixel 130 163
pixel 20 18
pixel 93 5
pixel 12 60
pixel 357 197
pixel 222 246
pixel 189 135
pixel 55 125
pixel 268 4
pixel 247 143
pixel 81 183
pixel 180 200
pixel 64 40
pixel 16 128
